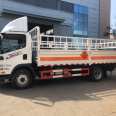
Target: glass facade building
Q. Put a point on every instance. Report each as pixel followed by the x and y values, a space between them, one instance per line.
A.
pixel 80 20
pixel 87 18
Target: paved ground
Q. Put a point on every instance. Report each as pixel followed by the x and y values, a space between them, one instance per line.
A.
pixel 61 98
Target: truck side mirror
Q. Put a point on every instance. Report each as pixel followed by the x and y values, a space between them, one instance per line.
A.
pixel 1 36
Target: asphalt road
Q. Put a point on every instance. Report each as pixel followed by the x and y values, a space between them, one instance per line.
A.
pixel 74 97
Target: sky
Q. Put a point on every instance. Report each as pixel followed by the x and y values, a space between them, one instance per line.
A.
pixel 113 14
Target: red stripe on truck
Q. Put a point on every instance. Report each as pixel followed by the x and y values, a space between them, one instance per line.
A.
pixel 103 57
pixel 66 58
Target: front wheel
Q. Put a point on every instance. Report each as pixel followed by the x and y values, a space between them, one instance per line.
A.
pixel 97 73
pixel 22 79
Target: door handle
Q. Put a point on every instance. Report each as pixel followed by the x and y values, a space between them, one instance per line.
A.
pixel 25 57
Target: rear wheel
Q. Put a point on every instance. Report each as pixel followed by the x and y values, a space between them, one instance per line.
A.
pixel 97 73
pixel 22 78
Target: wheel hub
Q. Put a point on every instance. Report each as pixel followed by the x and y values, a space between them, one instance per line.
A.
pixel 22 79
pixel 97 74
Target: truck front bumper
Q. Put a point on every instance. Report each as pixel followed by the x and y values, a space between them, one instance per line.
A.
pixel 5 78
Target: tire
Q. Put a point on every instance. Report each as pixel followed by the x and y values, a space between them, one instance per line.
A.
pixel 22 79
pixel 97 73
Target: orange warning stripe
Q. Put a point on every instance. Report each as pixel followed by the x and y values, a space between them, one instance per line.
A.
pixel 74 58
pixel 103 58
pixel 66 58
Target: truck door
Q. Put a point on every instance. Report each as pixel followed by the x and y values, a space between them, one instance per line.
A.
pixel 13 52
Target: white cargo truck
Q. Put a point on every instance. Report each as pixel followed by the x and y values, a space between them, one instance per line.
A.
pixel 26 56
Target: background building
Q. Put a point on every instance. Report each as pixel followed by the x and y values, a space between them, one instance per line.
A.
pixel 89 18
pixel 105 11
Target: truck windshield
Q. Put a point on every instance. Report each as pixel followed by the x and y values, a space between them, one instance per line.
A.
pixel 11 42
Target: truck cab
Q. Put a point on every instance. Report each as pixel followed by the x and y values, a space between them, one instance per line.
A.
pixel 15 50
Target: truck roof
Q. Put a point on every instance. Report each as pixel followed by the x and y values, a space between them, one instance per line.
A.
pixel 17 25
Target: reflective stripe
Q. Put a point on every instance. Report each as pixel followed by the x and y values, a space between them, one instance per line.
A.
pixel 58 76
pixel 77 69
pixel 58 70
pixel 77 74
